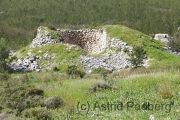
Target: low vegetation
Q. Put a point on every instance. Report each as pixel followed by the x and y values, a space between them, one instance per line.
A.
pixel 60 56
pixel 4 54
pixel 154 49
pixel 175 42
pixel 154 88
pixel 149 17
pixel 137 56
pixel 73 71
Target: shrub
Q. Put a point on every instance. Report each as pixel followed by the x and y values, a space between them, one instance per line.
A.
pixel 51 27
pixel 137 56
pixel 174 43
pixel 164 91
pixel 53 102
pixel 39 113
pixel 21 97
pixel 54 34
pixel 100 86
pixel 104 72
pixel 4 54
pixel 73 71
pixel 55 68
pixel 4 76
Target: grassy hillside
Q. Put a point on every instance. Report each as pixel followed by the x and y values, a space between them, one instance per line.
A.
pixel 19 19
pixel 154 48
pixel 64 54
pixel 135 88
pixel 61 55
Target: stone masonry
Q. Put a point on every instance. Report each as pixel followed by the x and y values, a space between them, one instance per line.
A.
pixel 42 38
pixel 91 40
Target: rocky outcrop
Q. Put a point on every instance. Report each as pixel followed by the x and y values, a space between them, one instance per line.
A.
pixel 91 40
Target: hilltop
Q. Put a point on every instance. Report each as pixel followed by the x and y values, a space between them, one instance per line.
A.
pixel 103 46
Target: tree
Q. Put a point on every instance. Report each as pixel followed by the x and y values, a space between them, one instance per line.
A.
pixel 137 56
pixel 4 53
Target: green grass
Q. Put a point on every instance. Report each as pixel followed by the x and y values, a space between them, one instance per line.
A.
pixel 63 55
pixel 137 88
pixel 154 48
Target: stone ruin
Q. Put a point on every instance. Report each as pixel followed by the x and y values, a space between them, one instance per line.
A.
pixel 91 40
pixel 42 38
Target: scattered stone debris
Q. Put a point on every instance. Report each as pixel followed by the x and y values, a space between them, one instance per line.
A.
pixel 164 38
pixel 46 56
pixel 110 61
pixel 43 38
pixel 119 44
pixel 26 65
pixel 12 52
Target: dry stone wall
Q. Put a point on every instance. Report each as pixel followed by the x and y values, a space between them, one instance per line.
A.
pixel 91 40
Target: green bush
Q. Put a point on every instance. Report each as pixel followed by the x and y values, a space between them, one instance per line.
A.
pixel 4 54
pixel 54 34
pixel 174 43
pixel 55 68
pixel 100 86
pixel 137 56
pixel 38 113
pixel 74 71
pixel 53 102
pixel 4 76
pixel 52 27
pixel 21 97
pixel 102 71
